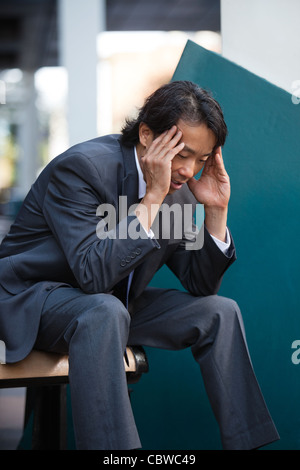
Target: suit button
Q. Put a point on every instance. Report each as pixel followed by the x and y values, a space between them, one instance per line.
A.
pixel 128 259
pixel 138 251
pixel 123 263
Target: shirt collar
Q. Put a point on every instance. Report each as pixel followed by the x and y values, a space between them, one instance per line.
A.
pixel 142 183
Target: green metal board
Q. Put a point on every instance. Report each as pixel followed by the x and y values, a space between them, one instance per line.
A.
pixel 262 157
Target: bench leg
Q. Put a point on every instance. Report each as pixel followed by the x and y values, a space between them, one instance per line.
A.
pixel 49 417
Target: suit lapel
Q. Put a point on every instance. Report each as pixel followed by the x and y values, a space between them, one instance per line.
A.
pixel 130 181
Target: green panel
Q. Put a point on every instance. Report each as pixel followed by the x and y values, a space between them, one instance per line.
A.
pixel 263 159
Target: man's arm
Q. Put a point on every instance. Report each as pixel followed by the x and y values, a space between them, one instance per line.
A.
pixel 200 271
pixel 213 190
pixel 70 209
pixel 156 165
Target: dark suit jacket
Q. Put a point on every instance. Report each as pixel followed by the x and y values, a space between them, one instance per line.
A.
pixel 53 240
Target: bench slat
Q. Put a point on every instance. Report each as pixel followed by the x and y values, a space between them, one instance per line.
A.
pixel 46 365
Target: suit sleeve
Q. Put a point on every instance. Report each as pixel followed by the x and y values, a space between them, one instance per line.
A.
pixel 201 270
pixel 70 208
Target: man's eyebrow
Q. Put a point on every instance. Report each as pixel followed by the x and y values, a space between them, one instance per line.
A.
pixel 186 148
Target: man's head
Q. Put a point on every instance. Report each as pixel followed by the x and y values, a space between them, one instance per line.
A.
pixel 179 100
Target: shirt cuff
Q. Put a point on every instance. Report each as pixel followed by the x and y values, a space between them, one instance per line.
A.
pixel 223 246
pixel 150 233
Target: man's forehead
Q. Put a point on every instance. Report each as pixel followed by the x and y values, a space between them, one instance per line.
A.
pixel 198 138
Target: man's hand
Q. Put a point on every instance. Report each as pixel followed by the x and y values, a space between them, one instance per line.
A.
pixel 213 187
pixel 156 163
pixel 213 190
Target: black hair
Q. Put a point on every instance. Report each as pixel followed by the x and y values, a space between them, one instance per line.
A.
pixel 169 103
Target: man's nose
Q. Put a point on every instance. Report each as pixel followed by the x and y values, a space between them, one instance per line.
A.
pixel 187 169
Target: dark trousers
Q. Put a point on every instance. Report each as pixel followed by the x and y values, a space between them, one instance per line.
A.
pixel 95 329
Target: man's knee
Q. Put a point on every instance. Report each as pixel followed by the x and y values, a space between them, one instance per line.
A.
pixel 225 304
pixel 227 315
pixel 104 311
pixel 217 303
pixel 221 310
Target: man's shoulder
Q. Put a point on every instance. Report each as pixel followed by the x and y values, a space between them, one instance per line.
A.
pixel 101 152
pixel 102 155
pixel 98 147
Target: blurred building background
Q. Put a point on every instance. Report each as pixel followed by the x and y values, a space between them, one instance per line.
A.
pixel 74 69
pixel 71 70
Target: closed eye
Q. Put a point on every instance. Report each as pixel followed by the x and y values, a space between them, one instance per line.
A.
pixel 201 160
pixel 206 157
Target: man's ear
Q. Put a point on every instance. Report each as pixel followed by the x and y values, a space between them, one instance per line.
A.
pixel 145 135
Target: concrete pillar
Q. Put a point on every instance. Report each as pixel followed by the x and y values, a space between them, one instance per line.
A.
pixel 80 22
pixel 264 37
pixel 28 139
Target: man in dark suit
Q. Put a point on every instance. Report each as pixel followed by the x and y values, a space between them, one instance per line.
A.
pixel 64 262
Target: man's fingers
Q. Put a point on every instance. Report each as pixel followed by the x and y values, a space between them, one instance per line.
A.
pixel 216 159
pixel 220 161
pixel 166 145
pixel 219 156
pixel 169 137
pixel 218 150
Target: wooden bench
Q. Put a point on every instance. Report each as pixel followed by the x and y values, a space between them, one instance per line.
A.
pixel 46 376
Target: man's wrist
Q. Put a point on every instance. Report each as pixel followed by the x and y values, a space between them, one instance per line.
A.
pixel 147 210
pixel 223 246
pixel 216 221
